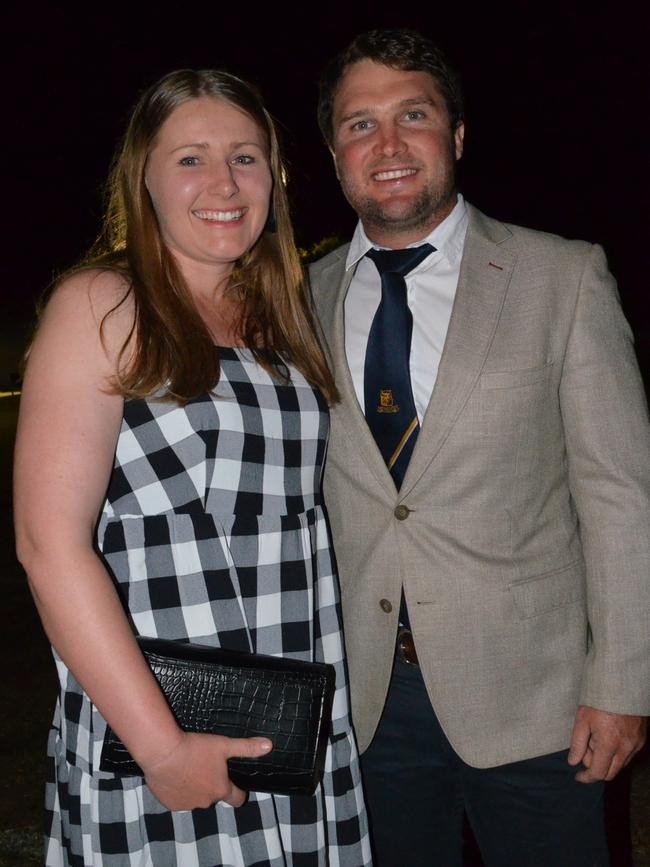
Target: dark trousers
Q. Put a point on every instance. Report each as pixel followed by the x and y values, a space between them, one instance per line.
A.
pixel 526 814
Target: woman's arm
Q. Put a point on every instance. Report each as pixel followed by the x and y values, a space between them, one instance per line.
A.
pixel 68 427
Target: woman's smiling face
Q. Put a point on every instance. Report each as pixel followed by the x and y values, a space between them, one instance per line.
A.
pixel 210 183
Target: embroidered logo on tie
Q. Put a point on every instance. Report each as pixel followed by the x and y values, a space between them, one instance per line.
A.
pixel 386 403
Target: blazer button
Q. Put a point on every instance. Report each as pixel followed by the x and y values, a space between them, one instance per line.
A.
pixel 385 605
pixel 402 512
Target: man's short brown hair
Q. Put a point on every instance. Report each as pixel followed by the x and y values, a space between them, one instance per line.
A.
pixel 401 49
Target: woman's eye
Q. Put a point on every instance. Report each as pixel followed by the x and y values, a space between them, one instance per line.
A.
pixel 243 160
pixel 361 125
pixel 189 161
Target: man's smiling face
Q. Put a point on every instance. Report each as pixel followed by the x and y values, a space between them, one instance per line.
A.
pixel 394 151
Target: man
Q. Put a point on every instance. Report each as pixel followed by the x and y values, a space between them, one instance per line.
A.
pixel 488 480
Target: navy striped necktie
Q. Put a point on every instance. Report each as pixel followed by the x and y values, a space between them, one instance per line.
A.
pixel 388 397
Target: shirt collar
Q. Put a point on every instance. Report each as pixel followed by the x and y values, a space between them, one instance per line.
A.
pixel 448 237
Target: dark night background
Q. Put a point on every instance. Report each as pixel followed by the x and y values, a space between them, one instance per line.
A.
pixel 557 96
pixel 557 99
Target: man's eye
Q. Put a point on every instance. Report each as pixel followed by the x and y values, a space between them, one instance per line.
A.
pixel 361 124
pixel 188 161
pixel 414 115
pixel 243 160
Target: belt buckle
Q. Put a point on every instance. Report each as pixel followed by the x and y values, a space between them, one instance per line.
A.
pixel 405 646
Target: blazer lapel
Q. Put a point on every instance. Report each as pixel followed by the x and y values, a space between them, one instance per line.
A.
pixel 348 413
pixel 484 277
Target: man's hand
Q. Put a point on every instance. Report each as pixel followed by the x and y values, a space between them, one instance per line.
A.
pixel 604 742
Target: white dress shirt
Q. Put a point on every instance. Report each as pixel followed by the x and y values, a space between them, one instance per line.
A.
pixel 431 288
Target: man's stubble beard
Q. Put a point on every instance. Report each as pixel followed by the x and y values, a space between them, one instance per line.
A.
pixel 427 209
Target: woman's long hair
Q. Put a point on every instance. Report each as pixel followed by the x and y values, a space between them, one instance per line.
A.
pixel 169 346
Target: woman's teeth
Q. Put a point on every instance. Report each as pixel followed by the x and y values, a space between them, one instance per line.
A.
pixel 219 216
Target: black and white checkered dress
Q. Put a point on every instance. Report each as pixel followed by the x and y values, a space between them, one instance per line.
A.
pixel 214 531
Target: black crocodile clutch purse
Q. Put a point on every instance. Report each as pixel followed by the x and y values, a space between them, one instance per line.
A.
pixel 227 692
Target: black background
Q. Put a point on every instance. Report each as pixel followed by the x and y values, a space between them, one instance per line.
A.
pixel 556 131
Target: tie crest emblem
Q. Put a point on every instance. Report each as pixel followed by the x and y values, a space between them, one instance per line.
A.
pixel 386 402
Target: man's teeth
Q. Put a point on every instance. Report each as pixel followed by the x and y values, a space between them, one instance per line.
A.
pixel 219 216
pixel 391 176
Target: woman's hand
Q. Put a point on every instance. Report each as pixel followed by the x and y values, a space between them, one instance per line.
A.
pixel 195 773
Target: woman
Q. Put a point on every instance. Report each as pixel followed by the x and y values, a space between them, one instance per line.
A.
pixel 172 429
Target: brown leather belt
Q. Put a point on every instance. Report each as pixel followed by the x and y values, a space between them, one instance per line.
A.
pixel 405 646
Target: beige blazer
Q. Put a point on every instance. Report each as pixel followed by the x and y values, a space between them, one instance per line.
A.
pixel 525 547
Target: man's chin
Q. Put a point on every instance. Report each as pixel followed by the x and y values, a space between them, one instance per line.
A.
pixel 400 215
pixel 397 220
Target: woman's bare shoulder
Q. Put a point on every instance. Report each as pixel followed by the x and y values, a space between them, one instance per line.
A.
pixel 93 306
pixel 93 292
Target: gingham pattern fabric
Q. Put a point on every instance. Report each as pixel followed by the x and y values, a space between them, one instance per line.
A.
pixel 214 532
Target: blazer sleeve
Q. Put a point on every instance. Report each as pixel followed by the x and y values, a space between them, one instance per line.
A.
pixel 608 452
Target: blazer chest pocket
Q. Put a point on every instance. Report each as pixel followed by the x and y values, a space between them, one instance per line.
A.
pixel 508 402
pixel 534 596
pixel 500 379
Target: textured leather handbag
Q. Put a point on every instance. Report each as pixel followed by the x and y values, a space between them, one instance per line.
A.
pixel 211 690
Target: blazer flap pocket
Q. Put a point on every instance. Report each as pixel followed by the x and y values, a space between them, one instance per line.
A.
pixel 515 378
pixel 534 596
